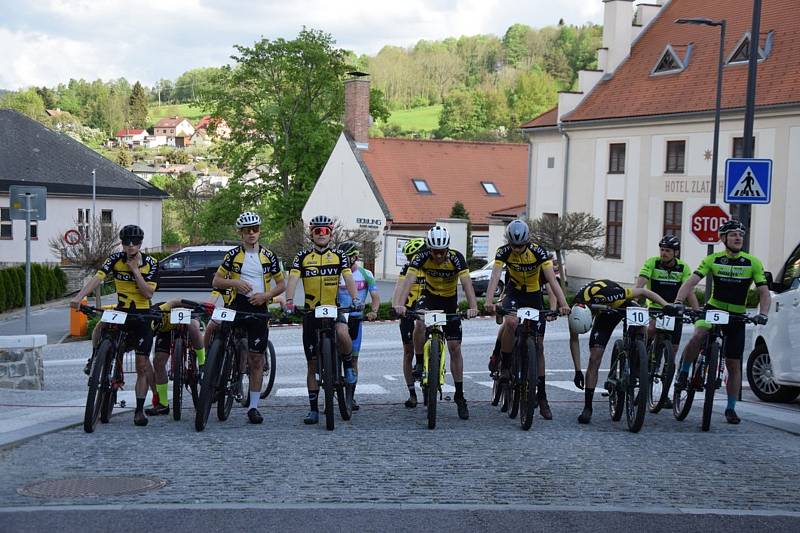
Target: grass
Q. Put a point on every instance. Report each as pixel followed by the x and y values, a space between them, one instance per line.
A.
pixel 189 111
pixel 417 119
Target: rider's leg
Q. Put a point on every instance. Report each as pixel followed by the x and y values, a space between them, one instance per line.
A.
pixel 734 349
pixel 419 342
pixel 196 338
pixel 690 352
pixel 309 347
pixel 144 372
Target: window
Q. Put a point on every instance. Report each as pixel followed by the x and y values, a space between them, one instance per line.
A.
pixel 551 162
pixel 673 215
pixel 84 220
pixel 670 62
pixel 106 222
pixel 173 263
pixel 614 229
pixel 5 223
pixel 421 186
pixel 738 147
pixel 790 278
pixel 741 54
pixel 676 153
pixel 550 217
pixel 616 158
pixel 490 188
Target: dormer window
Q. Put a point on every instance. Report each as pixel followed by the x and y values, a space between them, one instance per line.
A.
pixel 670 61
pixel 421 185
pixel 741 53
pixel 490 188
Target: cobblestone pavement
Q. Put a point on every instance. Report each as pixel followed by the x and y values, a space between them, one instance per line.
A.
pixel 386 455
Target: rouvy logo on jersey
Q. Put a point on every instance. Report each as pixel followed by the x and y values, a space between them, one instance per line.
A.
pixel 322 271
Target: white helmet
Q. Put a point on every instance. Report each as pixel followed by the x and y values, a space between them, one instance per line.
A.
pixel 580 319
pixel 247 219
pixel 517 233
pixel 438 238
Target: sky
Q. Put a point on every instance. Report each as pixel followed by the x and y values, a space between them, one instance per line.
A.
pixel 46 42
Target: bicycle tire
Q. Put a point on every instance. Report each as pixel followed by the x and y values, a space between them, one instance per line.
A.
pixel 712 372
pixel 178 349
pixel 497 391
pixel 94 397
pixel 682 400
pixel 193 380
pixel 109 400
pixel 636 401
pixel 269 370
pixel 616 398
pixel 344 393
pixel 208 388
pixel 434 371
pixel 662 371
pixel 528 386
pixel 230 376
pixel 515 380
pixel 326 351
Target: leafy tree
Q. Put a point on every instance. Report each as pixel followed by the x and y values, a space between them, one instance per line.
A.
pixel 138 107
pixel 186 202
pixel 575 232
pixel 515 43
pixel 28 102
pixel 124 157
pixel 459 211
pixel 533 93
pixel 48 97
pixel 378 106
pixel 189 84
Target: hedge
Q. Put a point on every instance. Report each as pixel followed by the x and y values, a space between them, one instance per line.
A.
pixel 47 283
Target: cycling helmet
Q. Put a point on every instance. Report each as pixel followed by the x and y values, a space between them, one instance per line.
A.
pixel 413 247
pixel 517 233
pixel 438 238
pixel 131 231
pixel 349 248
pixel 731 225
pixel 580 318
pixel 321 221
pixel 248 219
pixel 671 242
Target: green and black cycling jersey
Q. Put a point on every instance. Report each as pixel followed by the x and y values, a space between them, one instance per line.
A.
pixel 731 277
pixel 663 280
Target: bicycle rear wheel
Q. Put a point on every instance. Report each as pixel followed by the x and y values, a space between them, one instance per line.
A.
pixel 208 388
pixel 712 371
pixel 98 379
pixel 434 379
pixel 662 370
pixel 497 391
pixel 344 393
pixel 178 350
pixel 682 399
pixel 327 373
pixel 637 387
pixel 530 379
pixel 269 371
pixel 616 373
pixel 109 400
pixel 230 377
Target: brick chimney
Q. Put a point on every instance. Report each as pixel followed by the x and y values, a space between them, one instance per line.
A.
pixel 356 108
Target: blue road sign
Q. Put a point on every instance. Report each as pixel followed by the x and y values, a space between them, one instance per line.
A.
pixel 748 181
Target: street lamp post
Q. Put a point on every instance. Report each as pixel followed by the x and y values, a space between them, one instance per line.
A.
pixel 717 109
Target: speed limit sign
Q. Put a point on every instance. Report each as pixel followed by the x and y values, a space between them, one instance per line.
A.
pixel 72 237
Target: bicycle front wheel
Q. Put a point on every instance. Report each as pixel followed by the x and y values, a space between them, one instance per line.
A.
pixel 682 398
pixel 434 379
pixel 98 379
pixel 326 351
pixel 616 394
pixel 231 376
pixel 712 371
pixel 662 370
pixel 344 393
pixel 269 371
pixel 637 387
pixel 178 351
pixel 530 379
pixel 208 388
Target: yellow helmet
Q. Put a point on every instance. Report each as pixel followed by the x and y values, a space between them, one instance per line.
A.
pixel 413 247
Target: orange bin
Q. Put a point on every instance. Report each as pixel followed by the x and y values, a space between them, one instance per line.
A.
pixel 78 322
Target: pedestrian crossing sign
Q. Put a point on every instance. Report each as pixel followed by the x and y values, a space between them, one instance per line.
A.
pixel 748 181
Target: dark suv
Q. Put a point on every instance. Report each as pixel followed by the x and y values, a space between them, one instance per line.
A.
pixel 193 266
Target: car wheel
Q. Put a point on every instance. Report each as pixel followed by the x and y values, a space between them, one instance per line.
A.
pixel 762 380
pixel 499 290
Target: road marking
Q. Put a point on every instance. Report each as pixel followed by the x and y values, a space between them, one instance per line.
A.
pixel 389 377
pixel 566 385
pixel 365 388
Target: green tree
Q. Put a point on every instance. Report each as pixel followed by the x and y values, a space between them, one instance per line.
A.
pixel 27 101
pixel 138 107
pixel 49 97
pixel 533 93
pixel 459 211
pixel 186 202
pixel 515 44
pixel 124 158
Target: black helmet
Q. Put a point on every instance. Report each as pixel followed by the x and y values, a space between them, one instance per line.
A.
pixel 731 225
pixel 349 248
pixel 321 221
pixel 131 232
pixel 670 241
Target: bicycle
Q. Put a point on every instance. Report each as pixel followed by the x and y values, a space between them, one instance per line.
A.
pixel 627 381
pixel 222 379
pixel 707 371
pixel 661 360
pixel 516 380
pixel 433 357
pixel 330 368
pixel 107 373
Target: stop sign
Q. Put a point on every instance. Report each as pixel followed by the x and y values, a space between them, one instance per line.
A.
pixel 706 222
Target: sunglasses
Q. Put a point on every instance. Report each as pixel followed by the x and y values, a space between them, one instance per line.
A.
pixel 251 229
pixel 131 242
pixel 321 230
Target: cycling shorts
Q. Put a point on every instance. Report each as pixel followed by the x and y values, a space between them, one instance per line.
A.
pixel 448 304
pixel 310 327
pixel 676 333
pixel 734 335
pixel 407 329
pixel 257 328
pixel 356 330
pixel 163 342
pixel 138 333
pixel 514 299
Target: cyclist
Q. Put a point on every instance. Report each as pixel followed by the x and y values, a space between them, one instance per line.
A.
pixel 163 343
pixel 320 268
pixel 410 249
pixel 731 271
pixel 365 285
pixel 247 271
pixel 134 275
pixel 443 268
pixel 526 262
pixel 598 292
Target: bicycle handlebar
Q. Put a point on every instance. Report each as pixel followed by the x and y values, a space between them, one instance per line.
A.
pixel 543 313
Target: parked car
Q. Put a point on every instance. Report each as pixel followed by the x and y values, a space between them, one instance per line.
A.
pixel 480 278
pixel 193 266
pixel 773 368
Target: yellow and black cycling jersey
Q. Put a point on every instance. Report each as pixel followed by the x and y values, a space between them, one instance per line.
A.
pixel 128 295
pixel 320 272
pixel 523 268
pixel 603 292
pixel 416 289
pixel 231 267
pixel 441 279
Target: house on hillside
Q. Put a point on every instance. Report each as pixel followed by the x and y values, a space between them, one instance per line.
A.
pixel 634 144
pixel 131 137
pixel 399 188
pixel 177 130
pixel 31 154
pixel 214 127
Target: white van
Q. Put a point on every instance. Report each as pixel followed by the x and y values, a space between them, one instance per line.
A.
pixel 773 368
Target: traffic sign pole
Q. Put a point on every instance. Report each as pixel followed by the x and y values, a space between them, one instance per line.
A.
pixel 27 264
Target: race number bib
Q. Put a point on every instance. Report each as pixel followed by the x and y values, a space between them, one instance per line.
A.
pixel 179 315
pixel 326 311
pixel 111 316
pixel 527 313
pixel 666 323
pixel 435 318
pixel 637 316
pixel 223 314
pixel 717 317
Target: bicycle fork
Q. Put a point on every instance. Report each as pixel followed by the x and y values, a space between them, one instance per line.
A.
pixel 426 375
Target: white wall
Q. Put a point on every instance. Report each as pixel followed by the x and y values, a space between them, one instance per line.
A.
pixel 546 191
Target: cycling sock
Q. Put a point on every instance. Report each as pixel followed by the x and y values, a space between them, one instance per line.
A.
pixel 411 390
pixel 347 360
pixel 686 367
pixel 313 399
pixel 139 404
pixel 459 389
pixel 161 388
pixel 201 356
pixel 419 358
pixel 731 401
pixel 255 395
pixel 541 394
pixel 588 396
